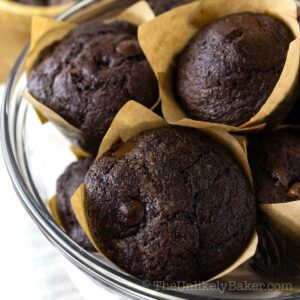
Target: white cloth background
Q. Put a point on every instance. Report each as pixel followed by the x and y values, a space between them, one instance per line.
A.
pixel 30 267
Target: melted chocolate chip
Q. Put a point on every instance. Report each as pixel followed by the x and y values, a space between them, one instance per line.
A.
pixel 275 164
pixel 294 191
pixel 129 48
pixel 230 67
pixel 132 212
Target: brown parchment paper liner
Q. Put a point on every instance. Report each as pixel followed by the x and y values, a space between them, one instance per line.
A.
pixel 79 153
pixel 15 21
pixel 133 119
pixel 44 32
pixel 285 215
pixel 52 205
pixel 163 38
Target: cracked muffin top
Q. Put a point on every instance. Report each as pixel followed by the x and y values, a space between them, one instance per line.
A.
pixel 174 206
pixel 275 162
pixel 231 66
pixel 88 76
pixel 66 186
pixel 161 6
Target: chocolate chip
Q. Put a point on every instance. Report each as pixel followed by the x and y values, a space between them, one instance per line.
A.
pixel 294 191
pixel 129 48
pixel 132 212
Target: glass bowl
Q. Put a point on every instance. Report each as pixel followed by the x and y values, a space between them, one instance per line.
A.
pixel 37 154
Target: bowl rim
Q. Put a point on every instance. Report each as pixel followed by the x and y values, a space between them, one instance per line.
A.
pixel 121 283
pixel 27 10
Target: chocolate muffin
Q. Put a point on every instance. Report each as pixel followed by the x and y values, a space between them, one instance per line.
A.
pixel 275 162
pixel 161 6
pixel 66 186
pixel 231 66
pixel 91 74
pixel 174 207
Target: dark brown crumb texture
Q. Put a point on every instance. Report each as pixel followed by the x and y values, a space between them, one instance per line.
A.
pixel 229 69
pixel 175 208
pixel 66 186
pixel 275 163
pixel 92 73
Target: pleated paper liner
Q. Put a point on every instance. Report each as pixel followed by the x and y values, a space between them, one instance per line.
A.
pixel 285 215
pixel 79 153
pixel 52 205
pixel 132 120
pixel 15 23
pixel 47 31
pixel 163 38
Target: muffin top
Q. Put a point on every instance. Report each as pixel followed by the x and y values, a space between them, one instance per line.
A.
pixel 92 73
pixel 161 6
pixel 66 186
pixel 176 207
pixel 275 163
pixel 231 66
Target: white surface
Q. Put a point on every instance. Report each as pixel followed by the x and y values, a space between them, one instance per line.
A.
pixel 30 267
